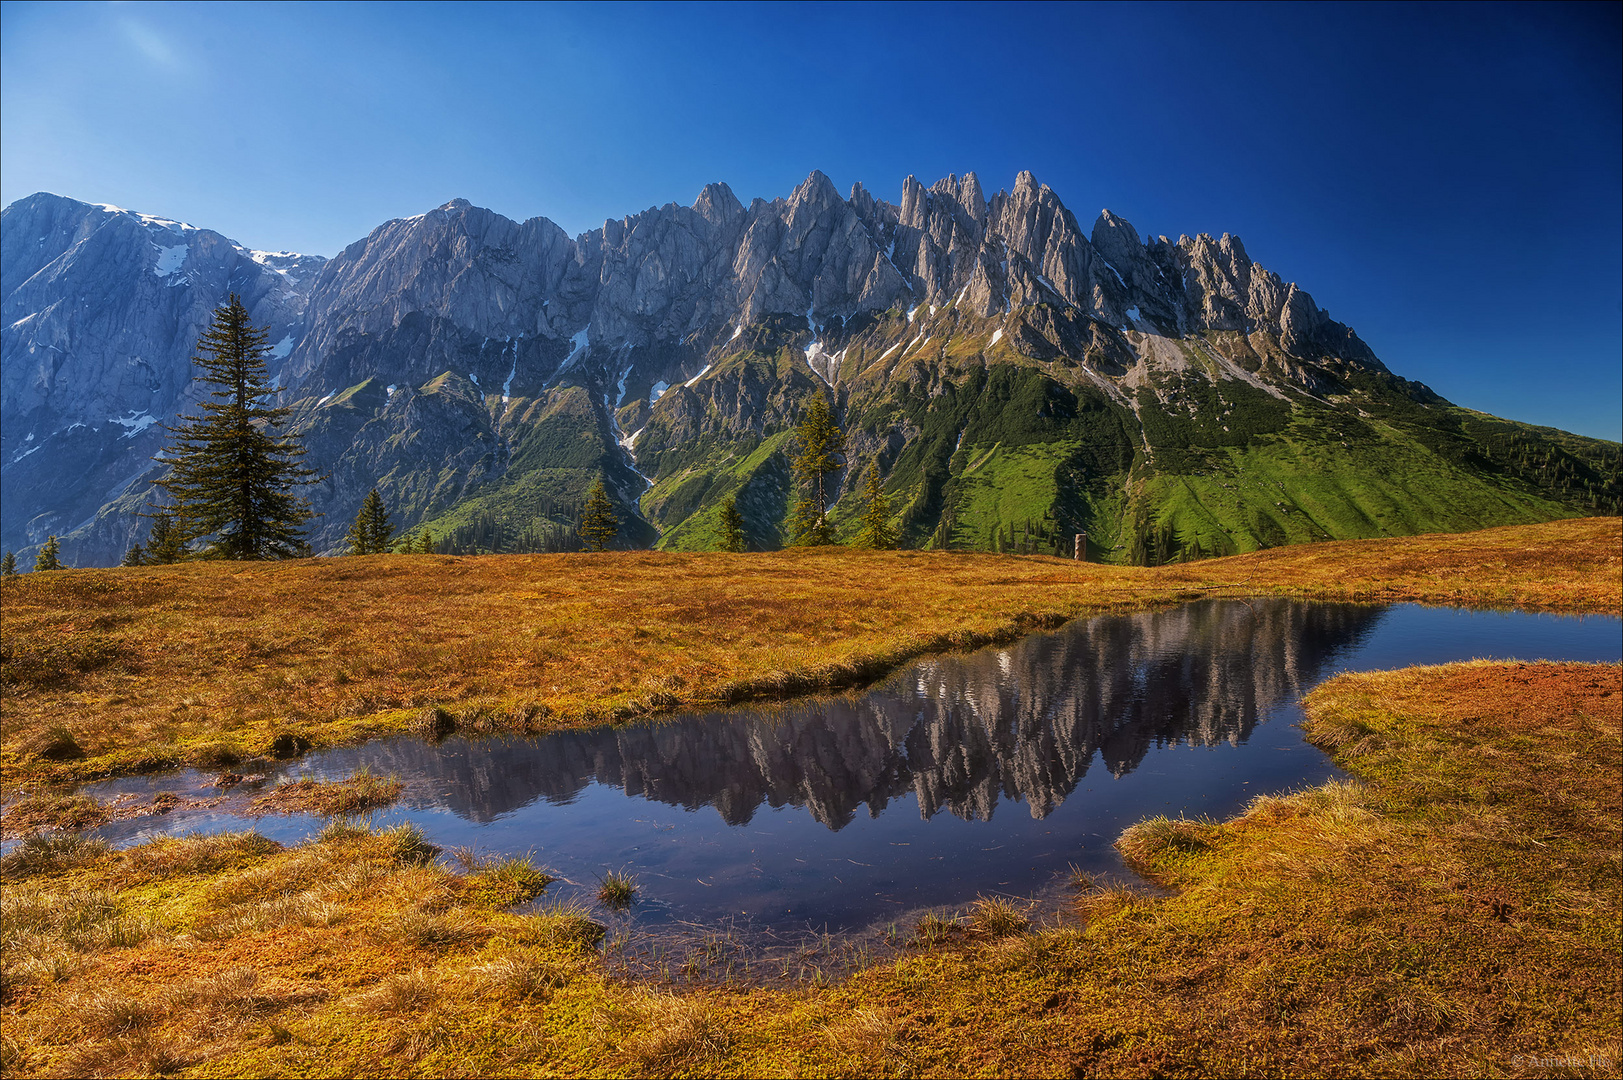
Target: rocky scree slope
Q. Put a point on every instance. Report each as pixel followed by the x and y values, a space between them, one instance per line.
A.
pixel 1016 379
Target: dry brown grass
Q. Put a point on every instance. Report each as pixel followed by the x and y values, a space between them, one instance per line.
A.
pixel 354 795
pixel 1451 910
pixel 124 670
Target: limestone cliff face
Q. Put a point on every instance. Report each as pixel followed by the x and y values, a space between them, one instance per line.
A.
pixel 464 363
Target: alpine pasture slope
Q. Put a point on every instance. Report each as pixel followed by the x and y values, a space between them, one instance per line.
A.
pixel 209 662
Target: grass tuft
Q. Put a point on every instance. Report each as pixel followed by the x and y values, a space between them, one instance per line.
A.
pixel 408 846
pixel 357 794
pixel 616 890
pixel 410 993
pixel 53 810
pixel 215 754
pixel 55 743
pixel 507 883
pixel 525 975
pixel 567 925
pixel 434 724
pixel 933 929
pixel 168 857
pixel 1153 841
pixel 430 931
pixel 675 1034
pixel 997 916
pixel 42 853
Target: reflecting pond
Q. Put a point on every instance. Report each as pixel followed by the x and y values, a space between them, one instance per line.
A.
pixel 986 772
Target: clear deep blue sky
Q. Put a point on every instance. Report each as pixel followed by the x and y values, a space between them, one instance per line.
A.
pixel 1447 180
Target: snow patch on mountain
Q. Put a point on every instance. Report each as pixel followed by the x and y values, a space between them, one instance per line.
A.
pixel 169 259
pixel 135 423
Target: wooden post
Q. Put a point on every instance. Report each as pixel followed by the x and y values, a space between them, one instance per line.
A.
pixel 1081 547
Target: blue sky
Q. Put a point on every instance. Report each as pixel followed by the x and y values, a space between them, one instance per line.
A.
pixel 1448 180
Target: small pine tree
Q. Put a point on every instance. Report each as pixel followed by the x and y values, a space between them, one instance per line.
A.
pixel 425 543
pixel 732 526
pixel 47 557
pixel 231 473
pixel 876 532
pixel 372 533
pixel 135 556
pixel 820 444
pixel 598 525
pixel 164 543
pixel 8 565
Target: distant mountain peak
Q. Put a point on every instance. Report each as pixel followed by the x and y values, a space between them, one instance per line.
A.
pixel 992 357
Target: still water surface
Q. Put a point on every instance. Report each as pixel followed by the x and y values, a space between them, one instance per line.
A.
pixel 987 772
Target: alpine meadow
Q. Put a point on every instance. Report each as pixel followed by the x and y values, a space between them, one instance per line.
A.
pixel 810 629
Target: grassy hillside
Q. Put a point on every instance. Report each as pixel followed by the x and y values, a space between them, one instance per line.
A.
pixel 146 668
pixel 980 439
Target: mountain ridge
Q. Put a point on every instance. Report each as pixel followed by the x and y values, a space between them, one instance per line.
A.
pixel 474 367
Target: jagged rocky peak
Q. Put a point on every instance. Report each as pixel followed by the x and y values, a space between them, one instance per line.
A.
pixel 459 333
pixel 463 264
pixel 717 204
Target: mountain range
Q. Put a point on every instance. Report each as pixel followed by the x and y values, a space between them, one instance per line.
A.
pixel 1016 379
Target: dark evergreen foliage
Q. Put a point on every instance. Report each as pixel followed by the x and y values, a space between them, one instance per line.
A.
pixel 876 531
pixel 164 543
pixel 598 525
pixel 232 474
pixel 8 565
pixel 372 533
pixel 732 526
pixel 487 534
pixel 819 450
pixel 47 557
pixel 136 556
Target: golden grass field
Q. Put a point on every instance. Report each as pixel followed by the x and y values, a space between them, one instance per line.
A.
pixel 1454 909
pixel 205 663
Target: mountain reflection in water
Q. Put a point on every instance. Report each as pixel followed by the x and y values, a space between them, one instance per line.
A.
pixel 958 732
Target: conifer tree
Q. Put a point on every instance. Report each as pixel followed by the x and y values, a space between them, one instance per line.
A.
pixel 598 525
pixel 425 543
pixel 8 565
pixel 876 532
pixel 136 556
pixel 164 543
pixel 819 446
pixel 372 533
pixel 732 526
pixel 232 472
pixel 47 557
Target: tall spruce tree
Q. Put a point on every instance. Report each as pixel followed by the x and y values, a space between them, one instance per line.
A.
pixel 232 473
pixel 47 557
pixel 598 525
pixel 8 565
pixel 876 532
pixel 372 533
pixel 819 444
pixel 732 526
